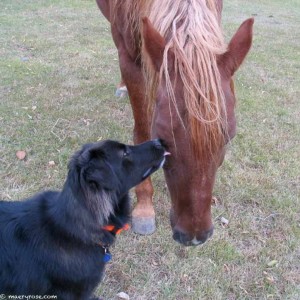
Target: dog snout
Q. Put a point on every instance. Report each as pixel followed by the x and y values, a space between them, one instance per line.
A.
pixel 157 144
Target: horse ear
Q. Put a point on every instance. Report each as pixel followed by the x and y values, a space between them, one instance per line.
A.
pixel 238 47
pixel 154 43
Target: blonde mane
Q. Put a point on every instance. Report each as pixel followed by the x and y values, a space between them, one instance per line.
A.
pixel 194 37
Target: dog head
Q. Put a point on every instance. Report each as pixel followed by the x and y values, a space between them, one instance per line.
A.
pixel 102 173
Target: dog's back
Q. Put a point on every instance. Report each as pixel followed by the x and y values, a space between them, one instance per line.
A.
pixel 18 228
pixel 35 257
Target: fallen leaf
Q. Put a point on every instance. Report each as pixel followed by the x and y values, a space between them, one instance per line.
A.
pixel 51 163
pixel 154 262
pixel 272 263
pixel 270 279
pixel 21 154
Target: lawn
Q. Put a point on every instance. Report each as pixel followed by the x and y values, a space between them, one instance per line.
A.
pixel 58 72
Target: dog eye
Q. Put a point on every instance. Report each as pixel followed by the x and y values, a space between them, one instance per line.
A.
pixel 125 152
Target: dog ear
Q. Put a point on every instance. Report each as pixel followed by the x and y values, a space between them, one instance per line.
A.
pixel 95 170
pixel 100 176
pixel 91 175
pixel 99 184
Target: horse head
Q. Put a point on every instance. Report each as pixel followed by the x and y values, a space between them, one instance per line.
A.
pixel 191 169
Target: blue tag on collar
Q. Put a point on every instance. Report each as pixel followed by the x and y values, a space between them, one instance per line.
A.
pixel 107 257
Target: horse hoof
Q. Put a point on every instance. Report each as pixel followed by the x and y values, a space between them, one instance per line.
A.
pixel 121 92
pixel 143 226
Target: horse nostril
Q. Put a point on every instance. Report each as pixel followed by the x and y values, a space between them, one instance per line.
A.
pixel 176 236
pixel 210 232
pixel 204 236
pixel 181 238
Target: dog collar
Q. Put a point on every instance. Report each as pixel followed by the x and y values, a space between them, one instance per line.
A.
pixel 111 228
pixel 116 230
pixel 107 255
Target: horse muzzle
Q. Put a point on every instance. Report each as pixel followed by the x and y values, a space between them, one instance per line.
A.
pixel 188 240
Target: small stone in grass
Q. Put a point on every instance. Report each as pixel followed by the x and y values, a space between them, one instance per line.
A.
pixel 21 154
pixel 224 221
pixel 123 295
pixel 51 163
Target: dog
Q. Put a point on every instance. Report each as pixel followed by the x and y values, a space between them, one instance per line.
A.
pixel 57 242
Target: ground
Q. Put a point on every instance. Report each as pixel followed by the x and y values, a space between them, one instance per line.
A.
pixel 58 72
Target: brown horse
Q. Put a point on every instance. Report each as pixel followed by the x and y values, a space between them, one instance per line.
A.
pixel 178 72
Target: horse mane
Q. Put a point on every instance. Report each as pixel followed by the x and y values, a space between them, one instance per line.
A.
pixel 194 38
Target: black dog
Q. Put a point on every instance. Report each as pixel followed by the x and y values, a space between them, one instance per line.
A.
pixel 55 243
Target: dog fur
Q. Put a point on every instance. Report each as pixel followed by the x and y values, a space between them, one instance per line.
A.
pixel 54 243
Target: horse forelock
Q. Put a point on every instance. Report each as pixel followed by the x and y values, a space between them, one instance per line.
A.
pixel 194 37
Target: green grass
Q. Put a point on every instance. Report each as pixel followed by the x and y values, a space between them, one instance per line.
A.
pixel 58 72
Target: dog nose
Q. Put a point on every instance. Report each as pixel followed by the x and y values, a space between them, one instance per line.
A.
pixel 187 240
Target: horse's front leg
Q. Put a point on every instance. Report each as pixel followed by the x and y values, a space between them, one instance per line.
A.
pixel 143 215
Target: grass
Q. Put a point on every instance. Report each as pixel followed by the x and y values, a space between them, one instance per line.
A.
pixel 58 72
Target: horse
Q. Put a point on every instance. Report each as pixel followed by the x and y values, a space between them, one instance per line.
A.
pixel 178 71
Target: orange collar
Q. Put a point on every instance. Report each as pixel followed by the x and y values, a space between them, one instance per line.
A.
pixel 111 228
pixel 115 230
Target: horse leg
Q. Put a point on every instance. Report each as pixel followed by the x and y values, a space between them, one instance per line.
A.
pixel 143 215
